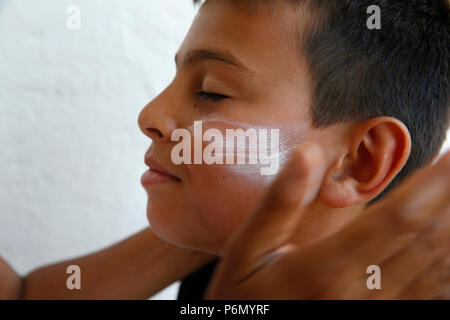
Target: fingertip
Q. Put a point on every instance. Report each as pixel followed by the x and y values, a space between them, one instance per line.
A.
pixel 305 151
pixel 309 160
pixel 310 157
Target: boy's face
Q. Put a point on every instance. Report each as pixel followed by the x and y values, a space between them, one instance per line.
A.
pixel 266 85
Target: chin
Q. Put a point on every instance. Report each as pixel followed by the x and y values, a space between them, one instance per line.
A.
pixel 178 227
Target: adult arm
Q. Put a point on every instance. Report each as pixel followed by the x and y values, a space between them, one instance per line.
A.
pixel 135 268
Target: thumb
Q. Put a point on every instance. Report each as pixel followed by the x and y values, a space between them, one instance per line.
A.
pixel 277 218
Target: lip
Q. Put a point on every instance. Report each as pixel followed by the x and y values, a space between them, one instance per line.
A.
pixel 156 174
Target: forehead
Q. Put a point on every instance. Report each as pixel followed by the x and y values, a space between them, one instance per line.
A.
pixel 264 40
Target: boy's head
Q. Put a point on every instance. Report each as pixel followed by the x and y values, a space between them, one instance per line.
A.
pixel 313 69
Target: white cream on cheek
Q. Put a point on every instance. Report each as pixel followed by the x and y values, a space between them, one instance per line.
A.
pixel 290 136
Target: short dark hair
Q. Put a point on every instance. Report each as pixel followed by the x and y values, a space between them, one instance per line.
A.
pixel 400 70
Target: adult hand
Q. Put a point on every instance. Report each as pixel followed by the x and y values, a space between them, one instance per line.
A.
pixel 407 235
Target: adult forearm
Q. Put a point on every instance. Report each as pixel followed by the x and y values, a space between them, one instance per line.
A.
pixel 10 282
pixel 135 268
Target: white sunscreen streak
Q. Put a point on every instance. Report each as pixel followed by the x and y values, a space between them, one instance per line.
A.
pixel 246 144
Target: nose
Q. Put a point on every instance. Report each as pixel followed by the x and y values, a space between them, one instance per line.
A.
pixel 157 120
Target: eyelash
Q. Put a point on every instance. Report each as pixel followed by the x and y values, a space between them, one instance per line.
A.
pixel 208 96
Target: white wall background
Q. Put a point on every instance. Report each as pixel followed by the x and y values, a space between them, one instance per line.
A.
pixel 71 152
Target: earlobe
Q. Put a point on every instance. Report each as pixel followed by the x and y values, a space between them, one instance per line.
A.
pixel 377 151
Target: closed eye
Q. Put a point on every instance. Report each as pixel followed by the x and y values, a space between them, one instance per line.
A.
pixel 207 96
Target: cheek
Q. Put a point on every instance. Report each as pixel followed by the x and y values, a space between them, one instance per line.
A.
pixel 223 195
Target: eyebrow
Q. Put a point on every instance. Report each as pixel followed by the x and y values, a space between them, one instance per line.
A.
pixel 198 55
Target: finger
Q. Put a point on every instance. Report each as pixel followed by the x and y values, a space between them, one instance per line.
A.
pixel 275 221
pixel 398 272
pixel 393 224
pixel 374 237
pixel 433 283
pixel 401 270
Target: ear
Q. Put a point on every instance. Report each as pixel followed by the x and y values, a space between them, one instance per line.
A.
pixel 374 154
